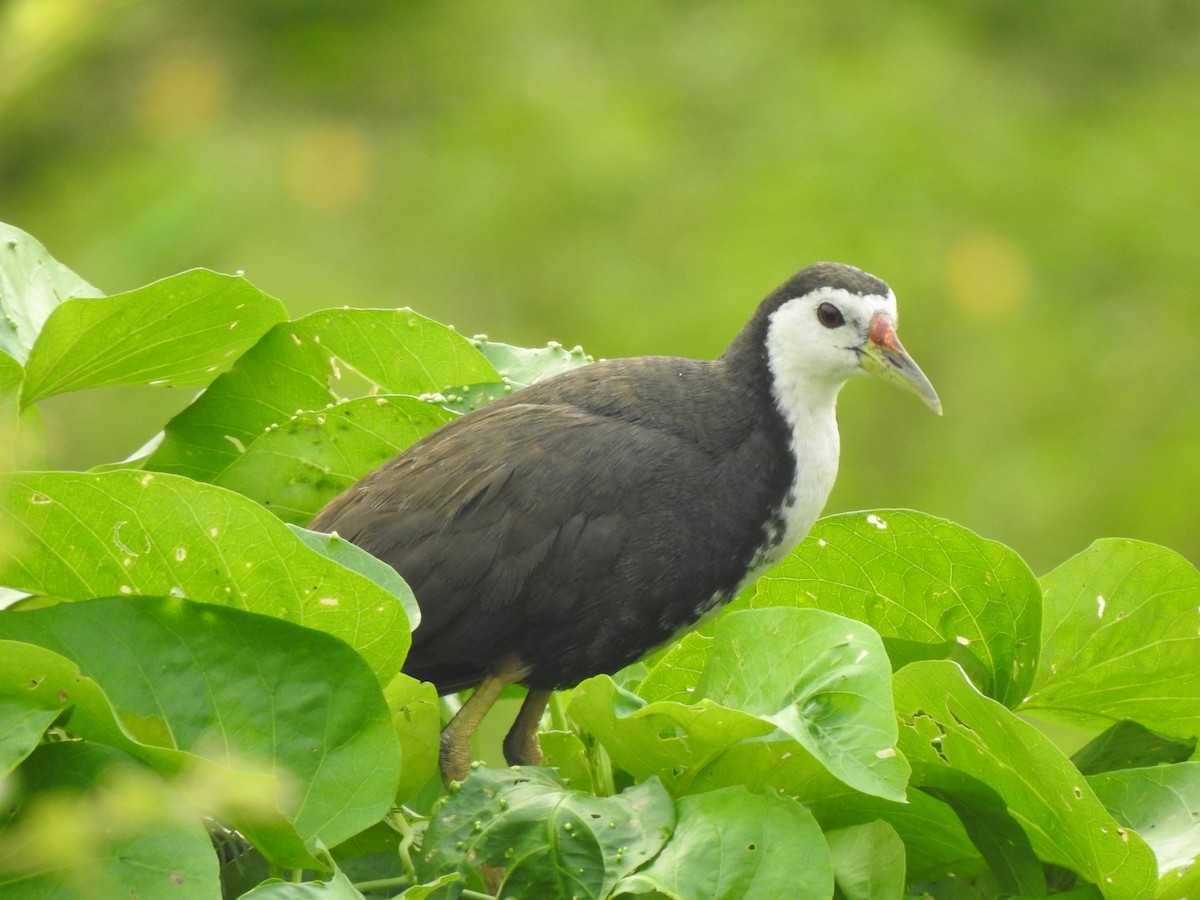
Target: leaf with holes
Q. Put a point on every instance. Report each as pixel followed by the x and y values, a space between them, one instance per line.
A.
pixel 932 589
pixel 307 365
pixel 666 738
pixel 126 532
pixel 1121 639
pixel 550 841
pixel 1162 804
pixel 742 846
pixel 823 680
pixel 947 724
pixel 296 468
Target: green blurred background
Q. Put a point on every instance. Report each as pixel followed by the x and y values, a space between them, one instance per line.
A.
pixel 634 176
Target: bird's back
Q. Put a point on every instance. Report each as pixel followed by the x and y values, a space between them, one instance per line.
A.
pixel 612 501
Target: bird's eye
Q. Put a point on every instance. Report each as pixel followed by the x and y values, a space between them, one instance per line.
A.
pixel 830 316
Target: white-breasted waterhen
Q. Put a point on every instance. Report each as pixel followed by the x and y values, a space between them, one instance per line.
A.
pixel 568 528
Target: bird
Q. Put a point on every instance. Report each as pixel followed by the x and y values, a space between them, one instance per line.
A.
pixel 568 528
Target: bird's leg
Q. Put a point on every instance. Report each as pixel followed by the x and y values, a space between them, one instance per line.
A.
pixel 521 746
pixel 454 751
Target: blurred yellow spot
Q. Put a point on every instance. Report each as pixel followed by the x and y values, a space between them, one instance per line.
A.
pixel 328 168
pixel 987 275
pixel 184 89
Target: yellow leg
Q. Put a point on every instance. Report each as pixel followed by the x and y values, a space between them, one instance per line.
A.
pixel 454 752
pixel 521 746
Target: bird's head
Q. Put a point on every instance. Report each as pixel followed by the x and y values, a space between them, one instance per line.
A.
pixel 830 322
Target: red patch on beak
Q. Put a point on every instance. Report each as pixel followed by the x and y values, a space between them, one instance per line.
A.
pixel 883 333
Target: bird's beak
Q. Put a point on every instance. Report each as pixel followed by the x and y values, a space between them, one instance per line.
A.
pixel 883 355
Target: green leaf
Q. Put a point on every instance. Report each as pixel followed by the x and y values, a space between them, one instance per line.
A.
pixel 11 376
pixel 1121 639
pixel 351 556
pixel 124 532
pixel 770 764
pixel 936 844
pixel 932 589
pixel 1128 745
pixel 677 672
pixel 742 846
pixel 664 738
pixel 181 331
pixel 23 721
pixel 421 891
pixel 868 861
pixel 823 680
pixel 21 437
pixel 521 367
pixel 89 822
pixel 309 364
pixel 1162 804
pixel 298 466
pixel 999 838
pixel 947 723
pixel 338 887
pixel 32 283
pixel 418 724
pixel 245 691
pixel 551 842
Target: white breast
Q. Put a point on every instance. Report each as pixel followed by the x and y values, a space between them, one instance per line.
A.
pixel 815 444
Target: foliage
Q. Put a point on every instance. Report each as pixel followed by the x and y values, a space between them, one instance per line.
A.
pixel 199 698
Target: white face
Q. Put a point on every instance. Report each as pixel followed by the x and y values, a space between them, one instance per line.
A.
pixel 817 339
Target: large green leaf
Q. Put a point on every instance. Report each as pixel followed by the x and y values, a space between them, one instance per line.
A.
pixel 868 861
pixel 936 844
pixel 32 283
pixel 823 680
pixel 817 684
pixel 89 822
pixel 1121 639
pixel 181 331
pixel 1162 804
pixel 351 556
pixel 947 724
pixel 242 690
pixel 298 466
pixel 124 532
pixel 666 738
pixel 551 842
pixel 932 589
pixel 734 844
pixel 309 364
pixel 997 835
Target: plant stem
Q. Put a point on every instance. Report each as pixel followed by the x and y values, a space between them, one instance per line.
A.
pixel 558 713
